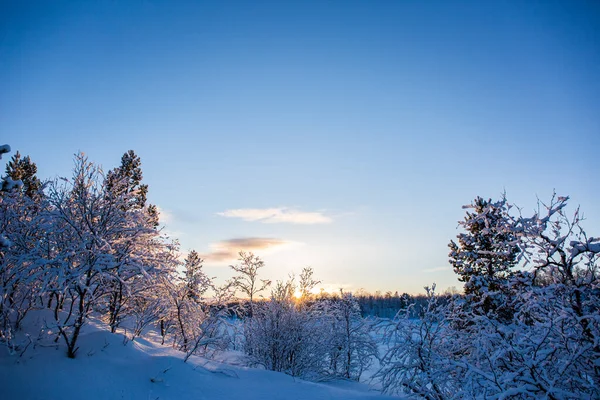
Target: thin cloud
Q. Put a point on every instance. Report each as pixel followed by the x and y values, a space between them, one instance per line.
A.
pixel 277 216
pixel 228 250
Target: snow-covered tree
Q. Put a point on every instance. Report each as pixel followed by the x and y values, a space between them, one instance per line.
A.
pixel 123 184
pixel 419 359
pixel 350 347
pixel 195 321
pixel 18 287
pixel 246 280
pixel 23 170
pixel 187 310
pixel 127 179
pixel 281 337
pixel 90 247
pixel 485 253
pixel 307 283
pixel 21 227
pixel 214 332
pixel 195 280
pixel 561 252
pixel 96 243
pixel 312 338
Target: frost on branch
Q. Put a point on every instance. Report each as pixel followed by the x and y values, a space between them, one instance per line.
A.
pixel 4 149
pixel 10 184
pixel 99 254
pixel 315 338
pixel 547 347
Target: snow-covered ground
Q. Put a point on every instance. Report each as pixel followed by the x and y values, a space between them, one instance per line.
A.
pixel 107 367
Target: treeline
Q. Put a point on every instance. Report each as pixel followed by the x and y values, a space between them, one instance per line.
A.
pixel 388 305
pixel 376 305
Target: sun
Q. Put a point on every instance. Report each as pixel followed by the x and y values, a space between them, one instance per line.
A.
pixel 298 294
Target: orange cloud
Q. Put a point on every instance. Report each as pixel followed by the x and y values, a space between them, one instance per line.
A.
pixel 228 250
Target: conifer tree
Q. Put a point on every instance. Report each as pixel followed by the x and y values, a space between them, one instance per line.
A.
pixel 127 179
pixel 196 281
pixel 24 170
pixel 485 254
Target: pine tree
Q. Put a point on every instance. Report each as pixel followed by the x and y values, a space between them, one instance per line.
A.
pixel 485 254
pixel 24 170
pixel 127 179
pixel 196 281
pixel 153 215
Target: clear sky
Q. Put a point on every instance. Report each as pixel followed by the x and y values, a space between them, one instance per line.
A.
pixel 345 135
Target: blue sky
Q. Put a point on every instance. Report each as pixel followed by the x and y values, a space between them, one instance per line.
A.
pixel 360 127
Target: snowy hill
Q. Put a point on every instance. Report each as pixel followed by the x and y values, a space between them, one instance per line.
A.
pixel 108 368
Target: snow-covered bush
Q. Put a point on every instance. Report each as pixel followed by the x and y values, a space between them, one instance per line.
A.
pixel 316 339
pixel 282 337
pixel 419 359
pixel 21 228
pixel 21 223
pixel 347 335
pixel 197 324
pixel 548 348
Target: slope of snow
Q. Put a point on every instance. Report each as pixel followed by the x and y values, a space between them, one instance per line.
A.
pixel 108 368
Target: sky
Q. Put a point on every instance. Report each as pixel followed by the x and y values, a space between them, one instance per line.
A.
pixel 345 136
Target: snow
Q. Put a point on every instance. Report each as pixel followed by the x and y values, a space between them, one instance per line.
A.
pixel 109 367
pixel 4 149
pixel 4 242
pixel 11 184
pixel 592 245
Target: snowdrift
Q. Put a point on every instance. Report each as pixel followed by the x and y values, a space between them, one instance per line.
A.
pixel 110 367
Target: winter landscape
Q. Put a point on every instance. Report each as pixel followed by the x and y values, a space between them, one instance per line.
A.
pixel 208 200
